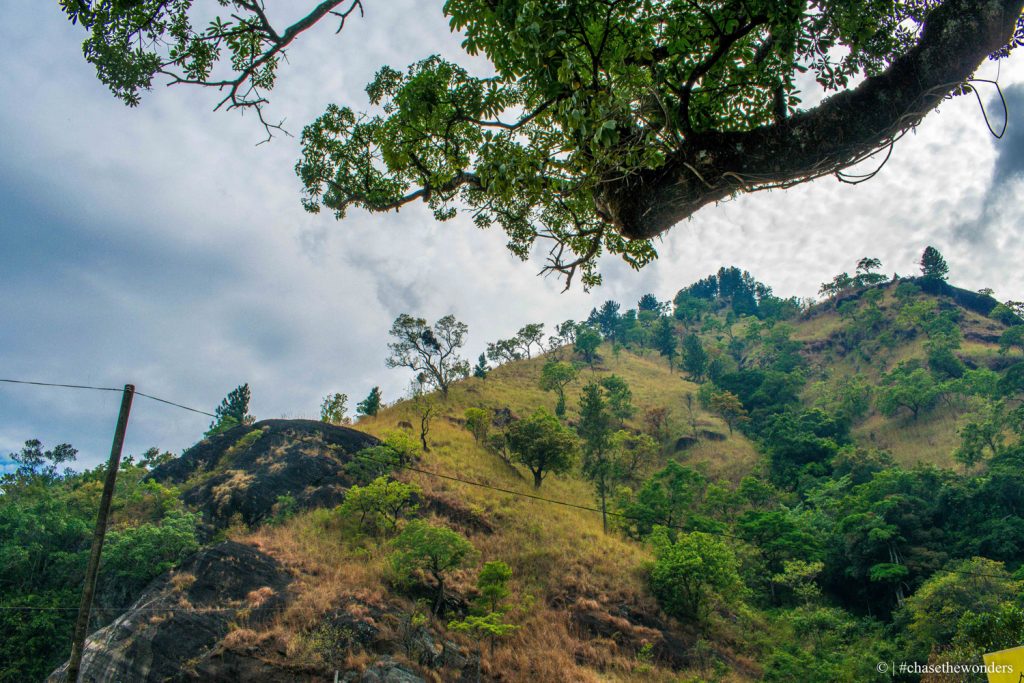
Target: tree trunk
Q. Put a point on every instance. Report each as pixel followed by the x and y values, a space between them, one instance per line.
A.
pixel 439 600
pixel 604 509
pixel 538 477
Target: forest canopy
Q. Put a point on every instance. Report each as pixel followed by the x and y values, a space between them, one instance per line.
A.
pixel 604 122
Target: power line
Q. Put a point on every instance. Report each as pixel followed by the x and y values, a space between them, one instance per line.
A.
pixel 532 496
pixel 521 494
pixel 172 403
pixel 84 386
pixel 620 514
pixel 66 386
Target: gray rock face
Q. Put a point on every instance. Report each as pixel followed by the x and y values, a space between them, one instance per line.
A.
pixel 183 615
pixel 234 474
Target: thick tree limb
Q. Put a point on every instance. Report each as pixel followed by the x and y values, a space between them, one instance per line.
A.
pixel 710 166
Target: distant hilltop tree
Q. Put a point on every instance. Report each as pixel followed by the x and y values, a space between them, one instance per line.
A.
pixel 232 411
pixel 431 351
pixel 933 265
pixel 481 369
pixel 333 409
pixel 371 404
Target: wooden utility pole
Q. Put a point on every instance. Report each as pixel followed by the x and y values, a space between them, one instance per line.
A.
pixel 82 624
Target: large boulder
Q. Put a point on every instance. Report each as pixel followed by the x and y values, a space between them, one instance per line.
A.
pixel 183 615
pixel 244 471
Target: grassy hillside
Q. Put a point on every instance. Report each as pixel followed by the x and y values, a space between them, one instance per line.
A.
pixel 563 564
pixel 584 603
pixel 931 438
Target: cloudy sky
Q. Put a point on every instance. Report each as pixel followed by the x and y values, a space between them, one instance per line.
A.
pixel 161 246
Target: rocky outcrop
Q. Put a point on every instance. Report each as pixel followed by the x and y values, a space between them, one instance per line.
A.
pixel 243 472
pixel 183 615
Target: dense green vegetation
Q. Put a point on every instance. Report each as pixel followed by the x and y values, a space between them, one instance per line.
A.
pixel 47 517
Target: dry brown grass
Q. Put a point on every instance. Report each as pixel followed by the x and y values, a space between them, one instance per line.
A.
pixel 182 581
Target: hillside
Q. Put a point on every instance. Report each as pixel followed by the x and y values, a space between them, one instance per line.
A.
pixel 591 612
pixel 834 353
pixel 803 492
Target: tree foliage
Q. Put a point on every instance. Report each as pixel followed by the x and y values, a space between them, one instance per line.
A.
pixel 435 550
pixel 556 376
pixel 47 517
pixel 909 387
pixel 933 265
pixel 380 505
pixel 334 408
pixel 693 573
pixel 371 404
pixel 543 444
pixel 587 341
pixel 602 125
pixel 232 411
pixel 431 351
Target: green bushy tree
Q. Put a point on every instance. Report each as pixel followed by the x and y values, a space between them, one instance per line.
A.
pixel 370 405
pixel 693 573
pixel 434 550
pixel 556 376
pixel 232 411
pixel 542 444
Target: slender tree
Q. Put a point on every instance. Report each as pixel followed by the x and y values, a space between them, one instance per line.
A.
pixel 595 429
pixel 371 404
pixel 556 376
pixel 528 337
pixel 695 359
pixel 665 340
pixel 480 369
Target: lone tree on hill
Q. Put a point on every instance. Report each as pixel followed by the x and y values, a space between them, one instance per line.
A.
pixel 933 266
pixel 435 550
pixel 602 125
pixel 728 406
pixel 595 430
pixel 542 444
pixel 695 358
pixel 866 275
pixel 430 351
pixel 481 369
pixel 556 376
pixel 232 411
pixel 371 404
pixel 529 336
pixel 333 408
pixel 587 341
pixel 665 340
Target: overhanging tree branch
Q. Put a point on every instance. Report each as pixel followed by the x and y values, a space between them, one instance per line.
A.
pixel 710 166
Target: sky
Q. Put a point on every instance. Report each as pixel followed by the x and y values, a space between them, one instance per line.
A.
pixel 161 246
